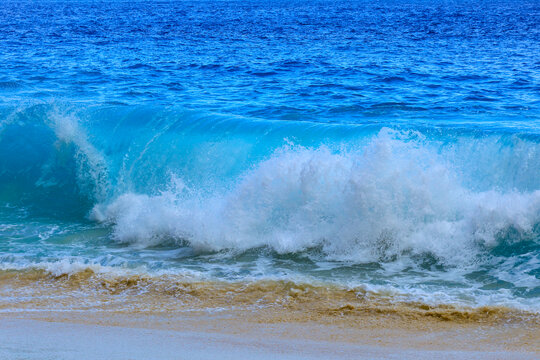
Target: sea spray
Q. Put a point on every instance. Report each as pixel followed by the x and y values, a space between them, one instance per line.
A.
pixel 392 198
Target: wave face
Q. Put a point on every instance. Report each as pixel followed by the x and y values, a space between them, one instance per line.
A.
pixel 388 146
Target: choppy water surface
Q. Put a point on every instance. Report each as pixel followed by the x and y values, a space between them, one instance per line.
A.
pixel 391 146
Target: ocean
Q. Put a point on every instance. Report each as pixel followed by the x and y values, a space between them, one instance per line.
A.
pixel 370 151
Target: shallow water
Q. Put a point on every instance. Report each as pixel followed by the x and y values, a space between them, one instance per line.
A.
pixel 391 147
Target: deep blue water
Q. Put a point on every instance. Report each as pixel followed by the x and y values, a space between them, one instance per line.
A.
pixel 322 61
pixel 386 143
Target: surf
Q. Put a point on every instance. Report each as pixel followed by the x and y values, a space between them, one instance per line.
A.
pixel 455 203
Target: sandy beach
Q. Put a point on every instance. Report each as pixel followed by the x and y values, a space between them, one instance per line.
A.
pixel 246 335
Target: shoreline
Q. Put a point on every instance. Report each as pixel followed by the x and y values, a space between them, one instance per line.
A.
pixel 264 319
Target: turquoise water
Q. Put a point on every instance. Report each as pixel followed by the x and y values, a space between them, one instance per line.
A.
pixel 394 146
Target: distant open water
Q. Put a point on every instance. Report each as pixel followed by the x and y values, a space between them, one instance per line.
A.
pixel 391 144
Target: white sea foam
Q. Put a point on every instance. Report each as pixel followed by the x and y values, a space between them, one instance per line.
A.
pixel 396 195
pixel 73 265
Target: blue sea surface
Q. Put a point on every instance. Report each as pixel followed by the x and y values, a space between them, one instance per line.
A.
pixel 389 144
